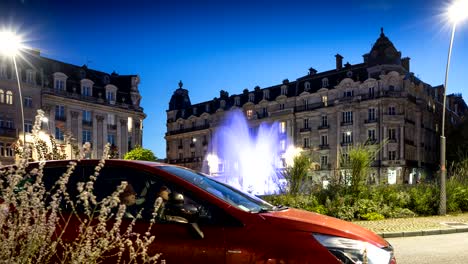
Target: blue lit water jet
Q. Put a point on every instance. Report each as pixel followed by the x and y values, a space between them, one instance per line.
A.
pixel 248 157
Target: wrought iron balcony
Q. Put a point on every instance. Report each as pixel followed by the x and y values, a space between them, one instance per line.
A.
pixel 87 122
pixel 323 126
pixel 7 132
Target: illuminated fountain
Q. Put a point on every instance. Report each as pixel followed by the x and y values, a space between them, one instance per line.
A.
pixel 248 159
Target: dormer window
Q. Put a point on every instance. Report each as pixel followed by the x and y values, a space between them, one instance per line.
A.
pixel 251 97
pixel 348 93
pixel 87 87
pixel 349 74
pixel 111 93
pixel 207 108
pixel 60 81
pixel 307 86
pixel 325 82
pixel 266 94
pixel 195 110
pixel 237 100
pixel 284 90
pixel 30 76
pixel 325 100
pixel 9 97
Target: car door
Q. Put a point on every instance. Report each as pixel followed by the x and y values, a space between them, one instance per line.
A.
pixel 177 241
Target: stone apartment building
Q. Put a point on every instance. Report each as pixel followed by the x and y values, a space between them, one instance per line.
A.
pixel 94 106
pixel 324 112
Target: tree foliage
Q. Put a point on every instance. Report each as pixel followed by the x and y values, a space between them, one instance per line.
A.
pixel 296 175
pixel 140 153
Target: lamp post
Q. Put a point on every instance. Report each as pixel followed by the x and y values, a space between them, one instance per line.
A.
pixel 10 44
pixel 456 13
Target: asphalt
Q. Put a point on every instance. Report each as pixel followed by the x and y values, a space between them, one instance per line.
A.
pixel 418 226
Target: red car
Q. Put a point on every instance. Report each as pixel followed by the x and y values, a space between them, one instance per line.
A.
pixel 215 223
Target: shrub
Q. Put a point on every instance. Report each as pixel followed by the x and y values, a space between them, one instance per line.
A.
pixel 424 199
pixel 373 216
pixel 33 224
pixel 139 153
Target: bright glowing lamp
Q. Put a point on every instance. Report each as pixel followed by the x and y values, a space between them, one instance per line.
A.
pixel 10 43
pixel 458 11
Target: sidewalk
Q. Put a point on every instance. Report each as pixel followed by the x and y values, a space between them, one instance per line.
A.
pixel 418 226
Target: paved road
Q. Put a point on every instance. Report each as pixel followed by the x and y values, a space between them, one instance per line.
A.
pixel 451 248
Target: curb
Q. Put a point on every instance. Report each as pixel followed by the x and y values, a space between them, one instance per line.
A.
pixel 423 232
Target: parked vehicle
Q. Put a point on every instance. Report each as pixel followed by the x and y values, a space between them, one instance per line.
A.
pixel 211 222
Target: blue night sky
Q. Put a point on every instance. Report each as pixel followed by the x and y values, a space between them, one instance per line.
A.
pixel 233 45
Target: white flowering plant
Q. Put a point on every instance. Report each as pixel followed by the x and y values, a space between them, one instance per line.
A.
pixel 35 227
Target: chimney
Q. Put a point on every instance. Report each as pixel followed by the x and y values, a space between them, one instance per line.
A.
pixel 339 61
pixel 405 63
pixel 312 71
pixel 366 57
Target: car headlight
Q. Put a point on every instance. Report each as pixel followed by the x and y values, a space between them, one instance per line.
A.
pixel 355 251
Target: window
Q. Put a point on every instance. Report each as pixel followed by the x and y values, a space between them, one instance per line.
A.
pixel 371 114
pixel 306 104
pixel 306 123
pixel 9 151
pixel 324 121
pixel 86 136
pixel 325 82
pixel 348 117
pixel 283 145
pixel 29 76
pixel 284 90
pixel 392 155
pixel 391 110
pixel 2 96
pixel 281 106
pixel 348 94
pixel 306 86
pixel 250 114
pixel 323 161
pixel 192 154
pixel 110 96
pixel 111 119
pixel 264 112
pixel 27 102
pixel 347 137
pixel 206 122
pixel 251 97
pixel 59 112
pixel 58 133
pixel 324 140
pixel 392 134
pixel 87 118
pixel 86 91
pixel 8 124
pixel 306 143
pixel 237 100
pixel 371 134
pixel 111 139
pixel 59 85
pixel 266 94
pixel 325 100
pixel 28 125
pixel 9 97
pixel 3 72
pixel 2 149
pixel 371 91
pixel 282 127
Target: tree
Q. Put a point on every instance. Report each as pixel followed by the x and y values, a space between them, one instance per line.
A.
pixel 296 175
pixel 140 153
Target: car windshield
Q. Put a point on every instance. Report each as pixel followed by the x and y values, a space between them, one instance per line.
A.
pixel 239 199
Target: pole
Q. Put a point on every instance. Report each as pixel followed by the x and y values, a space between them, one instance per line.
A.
pixel 443 170
pixel 21 101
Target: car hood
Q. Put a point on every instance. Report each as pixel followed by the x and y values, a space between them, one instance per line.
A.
pixel 316 223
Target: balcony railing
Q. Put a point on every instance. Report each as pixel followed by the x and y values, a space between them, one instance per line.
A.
pixel 373 120
pixel 326 166
pixel 323 126
pixel 343 144
pixel 60 118
pixel 306 129
pixel 346 123
pixel 324 146
pixel 87 123
pixel 185 130
pixel 7 132
pixel 111 127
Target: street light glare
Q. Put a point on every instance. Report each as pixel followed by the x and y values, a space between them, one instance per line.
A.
pixel 10 43
pixel 458 11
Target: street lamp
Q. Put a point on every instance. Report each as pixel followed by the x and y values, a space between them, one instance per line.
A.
pixel 10 45
pixel 456 13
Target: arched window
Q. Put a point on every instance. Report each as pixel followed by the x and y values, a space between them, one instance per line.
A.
pixel 2 96
pixel 325 82
pixel 307 86
pixel 9 97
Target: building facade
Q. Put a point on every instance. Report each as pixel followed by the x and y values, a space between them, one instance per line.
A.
pixel 369 102
pixel 93 106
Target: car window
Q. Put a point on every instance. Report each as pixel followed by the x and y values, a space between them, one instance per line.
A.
pixel 235 197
